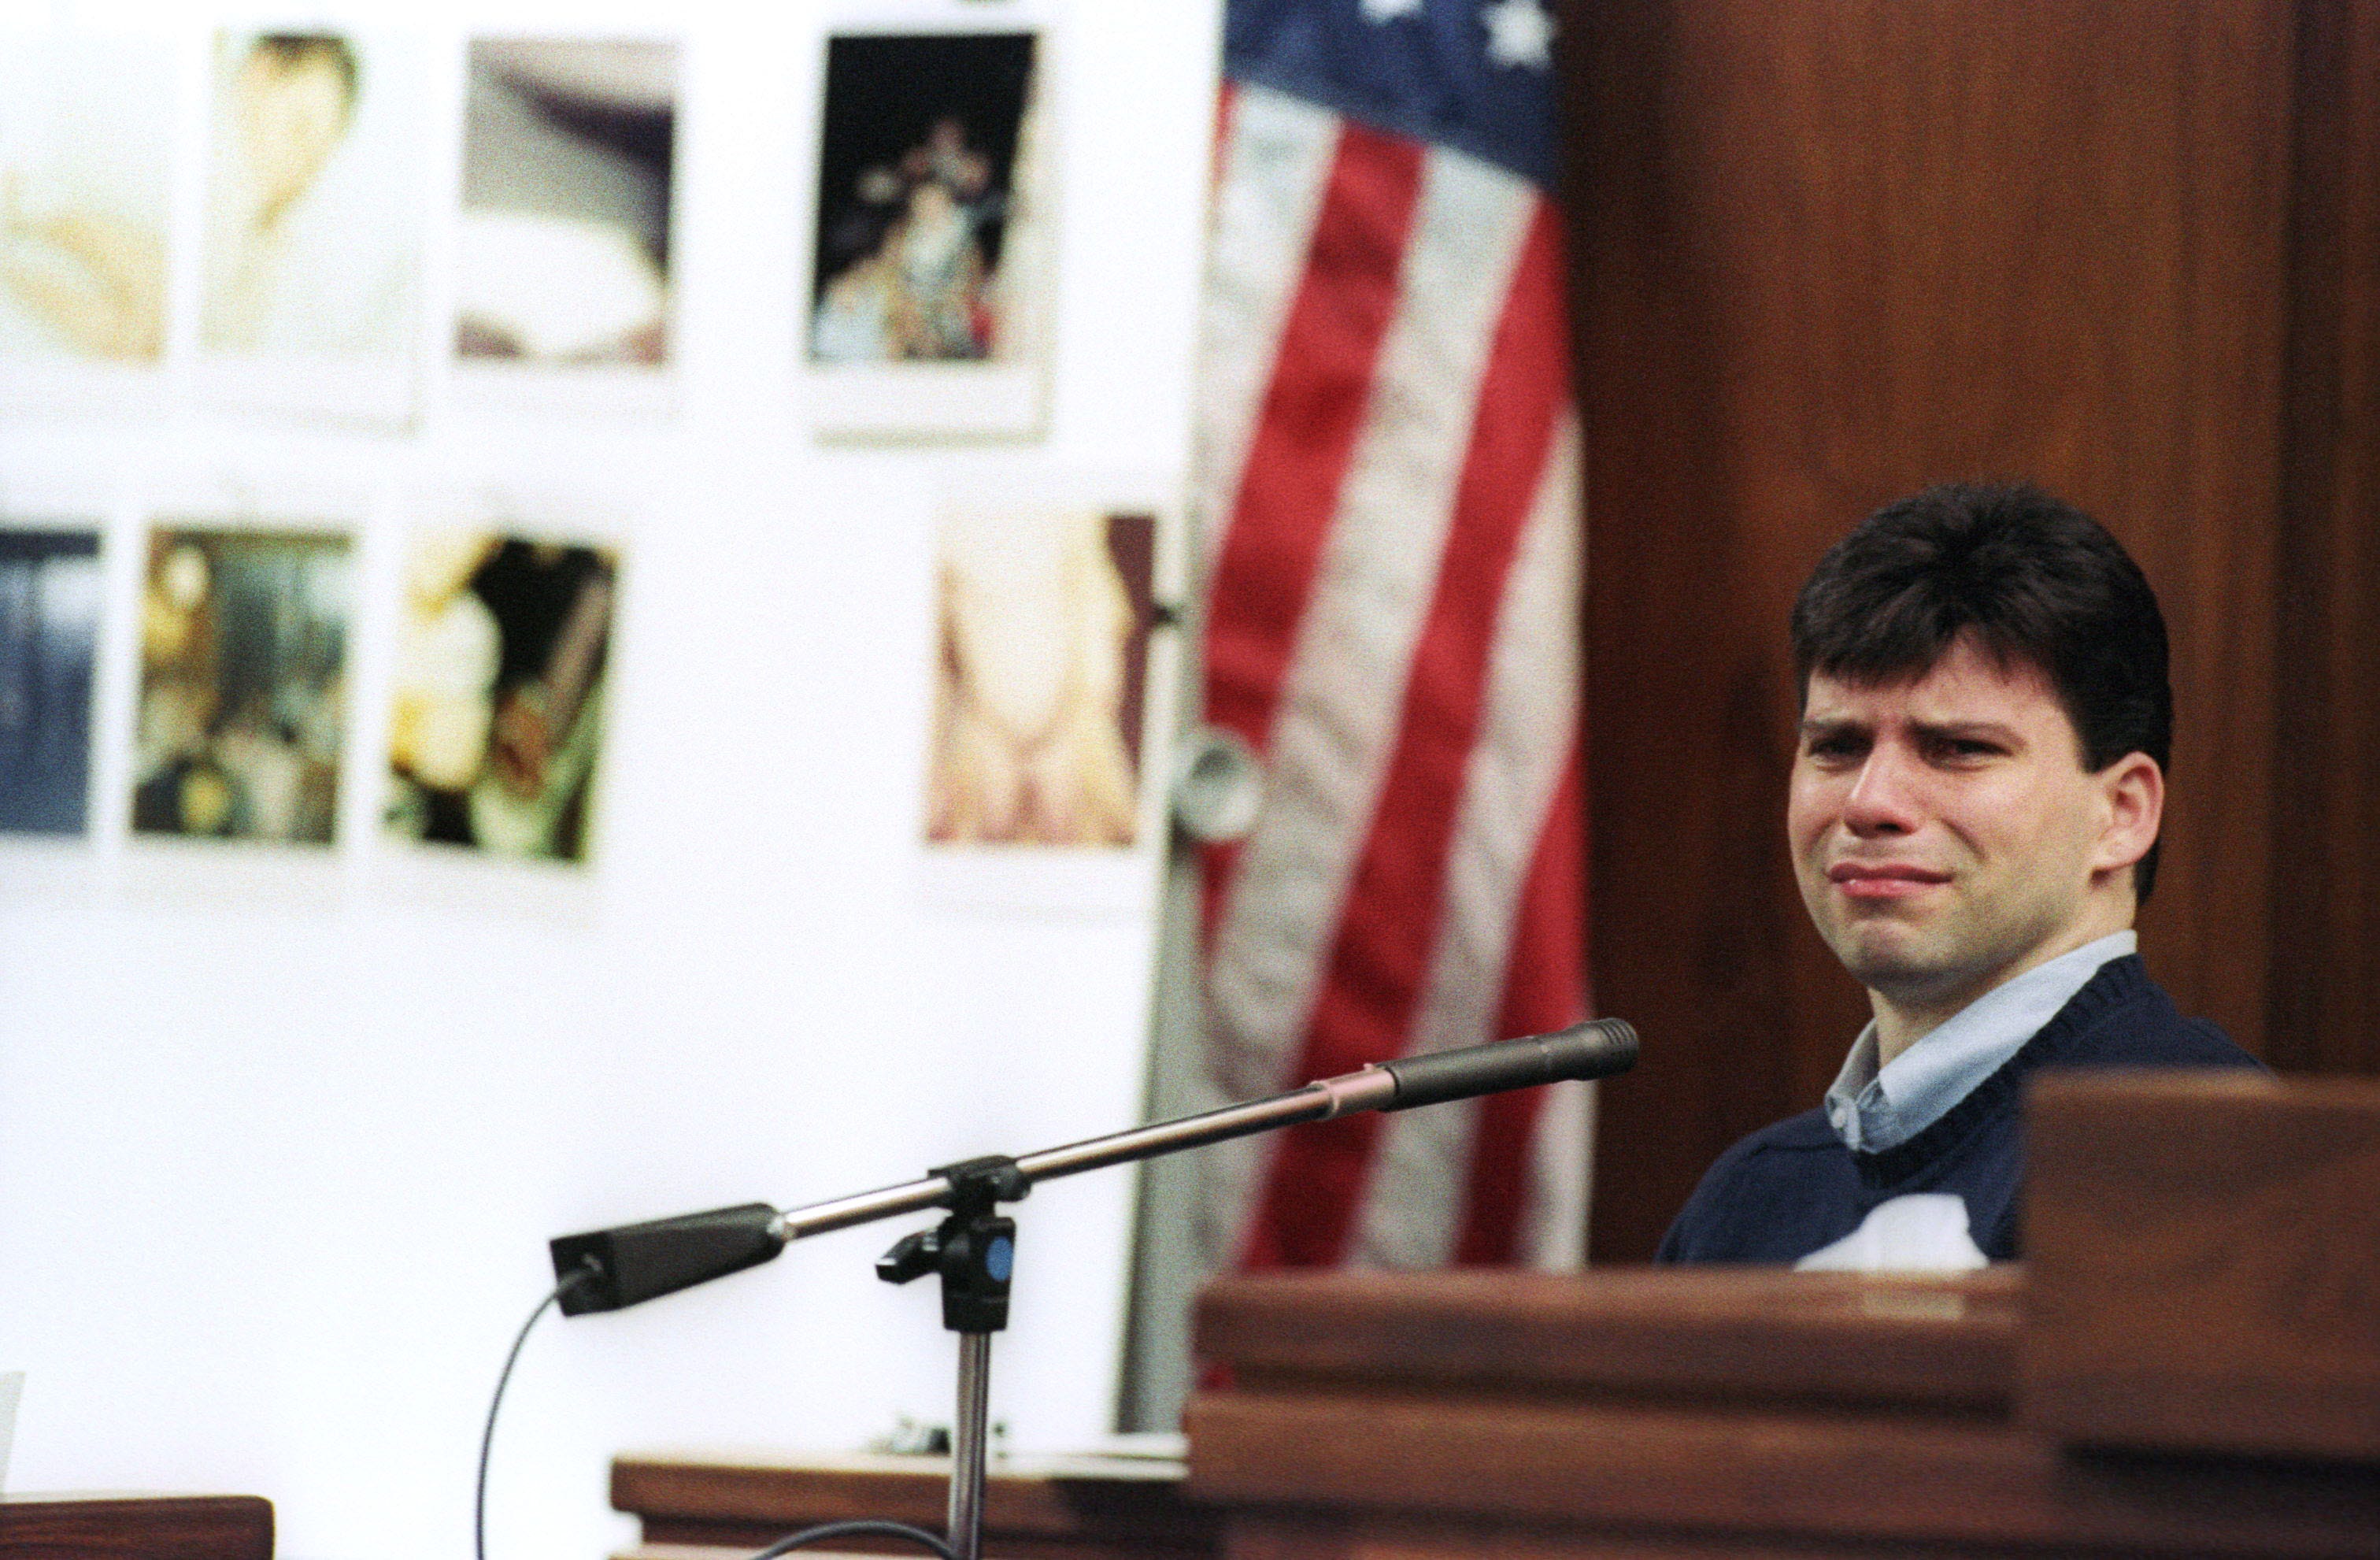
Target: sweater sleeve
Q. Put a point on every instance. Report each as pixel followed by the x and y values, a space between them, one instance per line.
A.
pixel 1691 1235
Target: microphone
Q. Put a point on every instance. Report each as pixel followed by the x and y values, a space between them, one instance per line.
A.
pixel 1597 1048
pixel 635 1263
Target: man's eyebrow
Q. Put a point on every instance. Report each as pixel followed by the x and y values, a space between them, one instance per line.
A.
pixel 1992 730
pixel 1829 725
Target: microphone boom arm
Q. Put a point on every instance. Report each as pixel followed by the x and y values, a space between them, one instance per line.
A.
pixel 639 1262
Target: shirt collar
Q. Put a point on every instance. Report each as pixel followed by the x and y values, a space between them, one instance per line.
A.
pixel 1873 1108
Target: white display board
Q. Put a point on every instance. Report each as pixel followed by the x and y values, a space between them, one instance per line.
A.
pixel 283 1128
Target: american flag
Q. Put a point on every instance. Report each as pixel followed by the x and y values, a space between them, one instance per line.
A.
pixel 1389 513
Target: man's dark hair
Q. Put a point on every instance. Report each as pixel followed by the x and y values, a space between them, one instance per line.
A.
pixel 2035 580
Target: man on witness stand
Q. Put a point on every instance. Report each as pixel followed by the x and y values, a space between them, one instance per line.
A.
pixel 1977 786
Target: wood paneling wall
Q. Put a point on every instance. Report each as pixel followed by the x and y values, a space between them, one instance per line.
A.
pixel 2325 997
pixel 1829 251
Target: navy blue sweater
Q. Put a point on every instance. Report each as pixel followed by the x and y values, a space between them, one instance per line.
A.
pixel 1785 1191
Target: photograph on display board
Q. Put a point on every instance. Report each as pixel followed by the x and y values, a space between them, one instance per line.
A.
pixel 86 129
pixel 562 247
pixel 243 683
pixel 496 723
pixel 1041 677
pixel 314 208
pixel 918 170
pixel 927 285
pixel 49 636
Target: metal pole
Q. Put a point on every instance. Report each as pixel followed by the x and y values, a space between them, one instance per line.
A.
pixel 1363 1090
pixel 965 1527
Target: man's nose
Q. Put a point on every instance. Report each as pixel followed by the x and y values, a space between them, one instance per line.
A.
pixel 1883 796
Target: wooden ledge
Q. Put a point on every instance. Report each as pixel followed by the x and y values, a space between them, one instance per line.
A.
pixel 1743 1334
pixel 124 1526
pixel 1070 1508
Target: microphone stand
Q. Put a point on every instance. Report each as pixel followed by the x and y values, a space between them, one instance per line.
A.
pixel 974 1248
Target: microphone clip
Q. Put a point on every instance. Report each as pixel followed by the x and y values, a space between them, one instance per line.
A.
pixel 979 1183
pixel 973 1250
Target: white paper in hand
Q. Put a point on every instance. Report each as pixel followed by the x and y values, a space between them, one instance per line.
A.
pixel 1923 1232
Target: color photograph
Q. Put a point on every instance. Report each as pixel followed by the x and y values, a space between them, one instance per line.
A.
pixel 85 126
pixel 243 684
pixel 496 723
pixel 563 247
pixel 49 636
pixel 928 307
pixel 314 208
pixel 1042 677
pixel 917 169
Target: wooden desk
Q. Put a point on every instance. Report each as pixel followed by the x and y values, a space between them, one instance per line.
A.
pixel 1676 1413
pixel 2204 1319
pixel 2205 1264
pixel 129 1527
pixel 1080 1508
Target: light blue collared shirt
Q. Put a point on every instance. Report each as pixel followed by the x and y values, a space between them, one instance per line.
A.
pixel 1873 1109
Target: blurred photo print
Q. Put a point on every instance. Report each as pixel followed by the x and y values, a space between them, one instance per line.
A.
pixel 314 215
pixel 86 127
pixel 496 722
pixel 49 636
pixel 563 247
pixel 243 684
pixel 927 305
pixel 1040 676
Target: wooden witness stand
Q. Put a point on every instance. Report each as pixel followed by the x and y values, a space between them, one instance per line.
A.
pixel 2188 1365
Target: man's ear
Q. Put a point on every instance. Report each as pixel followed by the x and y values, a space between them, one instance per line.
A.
pixel 2132 791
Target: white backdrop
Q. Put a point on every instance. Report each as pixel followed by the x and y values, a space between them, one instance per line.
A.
pixel 280 1149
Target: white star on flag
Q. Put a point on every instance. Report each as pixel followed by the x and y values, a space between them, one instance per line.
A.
pixel 1390 10
pixel 1519 32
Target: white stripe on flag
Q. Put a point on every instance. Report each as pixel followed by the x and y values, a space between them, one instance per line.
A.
pixel 1552 1235
pixel 1413 1204
pixel 1336 724
pixel 1276 163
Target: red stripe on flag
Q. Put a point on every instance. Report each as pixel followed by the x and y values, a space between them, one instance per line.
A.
pixel 1227 100
pixel 1305 437
pixel 1545 981
pixel 1380 957
pixel 1305 433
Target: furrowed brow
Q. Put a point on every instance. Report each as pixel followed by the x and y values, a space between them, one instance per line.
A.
pixel 1967 731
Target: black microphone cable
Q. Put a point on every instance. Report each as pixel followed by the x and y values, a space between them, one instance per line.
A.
pixel 860 1528
pixel 589 1271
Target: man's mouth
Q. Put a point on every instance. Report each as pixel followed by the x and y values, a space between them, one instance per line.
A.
pixel 1879 880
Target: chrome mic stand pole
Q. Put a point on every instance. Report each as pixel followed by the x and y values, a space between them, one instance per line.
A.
pixel 975 1249
pixel 975 1253
pixel 964 1524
